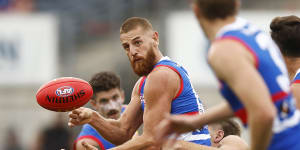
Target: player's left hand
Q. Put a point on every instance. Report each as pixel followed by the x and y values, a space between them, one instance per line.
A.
pixel 88 146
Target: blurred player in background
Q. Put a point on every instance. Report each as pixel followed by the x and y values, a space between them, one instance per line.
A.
pixel 107 99
pixel 225 135
pixel 285 31
pixel 253 78
pixel 164 87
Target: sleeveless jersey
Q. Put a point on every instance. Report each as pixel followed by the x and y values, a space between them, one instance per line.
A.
pixel 186 101
pixel 297 77
pixel 88 132
pixel 270 65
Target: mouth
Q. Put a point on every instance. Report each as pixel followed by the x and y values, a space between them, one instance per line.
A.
pixel 112 113
pixel 136 60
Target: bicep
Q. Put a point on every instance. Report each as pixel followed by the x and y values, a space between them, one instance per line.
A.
pixel 155 113
pixel 160 89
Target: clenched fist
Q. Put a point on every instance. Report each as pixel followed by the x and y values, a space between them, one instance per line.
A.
pixel 80 116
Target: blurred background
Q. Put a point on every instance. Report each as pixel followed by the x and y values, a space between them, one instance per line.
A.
pixel 44 39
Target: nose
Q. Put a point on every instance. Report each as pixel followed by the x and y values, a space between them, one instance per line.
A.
pixel 112 105
pixel 133 51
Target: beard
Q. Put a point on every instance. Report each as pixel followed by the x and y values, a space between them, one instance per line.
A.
pixel 144 66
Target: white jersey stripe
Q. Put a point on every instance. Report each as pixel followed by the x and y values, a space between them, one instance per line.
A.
pixel 279 126
pixel 298 71
pixel 190 137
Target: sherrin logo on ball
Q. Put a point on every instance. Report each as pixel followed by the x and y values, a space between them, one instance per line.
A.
pixel 64 91
pixel 64 94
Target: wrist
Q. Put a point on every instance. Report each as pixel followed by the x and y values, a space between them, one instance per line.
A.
pixel 197 122
pixel 94 118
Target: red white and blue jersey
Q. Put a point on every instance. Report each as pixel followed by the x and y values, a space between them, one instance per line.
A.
pixel 186 101
pixel 88 132
pixel 297 78
pixel 271 67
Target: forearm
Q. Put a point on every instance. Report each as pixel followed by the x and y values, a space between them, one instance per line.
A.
pixel 110 129
pixel 215 114
pixel 261 131
pixel 137 143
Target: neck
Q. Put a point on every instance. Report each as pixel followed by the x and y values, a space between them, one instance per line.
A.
pixel 158 55
pixel 293 64
pixel 211 28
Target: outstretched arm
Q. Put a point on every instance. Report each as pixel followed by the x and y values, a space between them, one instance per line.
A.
pixel 115 131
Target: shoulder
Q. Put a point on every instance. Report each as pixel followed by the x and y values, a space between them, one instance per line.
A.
pixel 225 49
pixel 163 73
pixel 162 77
pixel 225 56
pixel 162 81
pixel 234 141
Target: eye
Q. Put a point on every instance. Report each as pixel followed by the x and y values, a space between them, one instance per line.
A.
pixel 138 43
pixel 126 47
pixel 115 97
pixel 103 101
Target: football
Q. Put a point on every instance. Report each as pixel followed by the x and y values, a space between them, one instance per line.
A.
pixel 64 94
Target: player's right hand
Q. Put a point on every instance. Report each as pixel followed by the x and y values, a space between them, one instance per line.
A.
pixel 80 116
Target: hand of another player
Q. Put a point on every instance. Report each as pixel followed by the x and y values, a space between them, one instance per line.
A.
pixel 174 125
pixel 80 116
pixel 88 146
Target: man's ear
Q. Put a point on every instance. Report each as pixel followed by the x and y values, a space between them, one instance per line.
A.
pixel 155 37
pixel 219 136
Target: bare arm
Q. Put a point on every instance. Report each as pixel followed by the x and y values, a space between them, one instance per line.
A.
pixel 161 87
pixel 115 131
pixel 239 72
